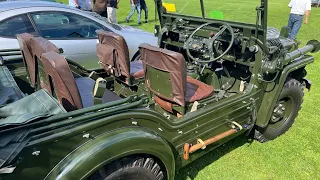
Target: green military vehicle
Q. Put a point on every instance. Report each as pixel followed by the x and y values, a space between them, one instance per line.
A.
pixel 209 81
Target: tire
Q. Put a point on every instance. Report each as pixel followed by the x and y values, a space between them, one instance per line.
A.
pixel 291 98
pixel 130 168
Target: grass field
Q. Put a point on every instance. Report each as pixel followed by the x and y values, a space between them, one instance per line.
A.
pixel 295 155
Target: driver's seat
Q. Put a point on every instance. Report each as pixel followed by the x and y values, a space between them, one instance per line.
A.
pixel 176 88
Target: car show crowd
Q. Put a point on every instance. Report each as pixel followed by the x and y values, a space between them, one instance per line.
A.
pixel 108 8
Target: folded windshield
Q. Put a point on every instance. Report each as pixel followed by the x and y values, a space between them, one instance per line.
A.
pixel 229 10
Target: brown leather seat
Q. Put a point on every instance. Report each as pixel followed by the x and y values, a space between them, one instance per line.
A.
pixel 184 88
pixel 72 93
pixel 25 47
pixel 39 46
pixel 113 54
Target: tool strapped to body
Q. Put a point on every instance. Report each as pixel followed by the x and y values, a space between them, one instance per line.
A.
pixel 189 148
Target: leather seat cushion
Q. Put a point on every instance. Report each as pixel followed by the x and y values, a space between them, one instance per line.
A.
pixel 85 86
pixel 197 90
pixel 136 69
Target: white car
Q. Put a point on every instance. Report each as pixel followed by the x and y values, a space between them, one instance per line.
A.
pixel 68 28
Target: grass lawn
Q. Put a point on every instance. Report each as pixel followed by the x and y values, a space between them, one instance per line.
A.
pixel 295 155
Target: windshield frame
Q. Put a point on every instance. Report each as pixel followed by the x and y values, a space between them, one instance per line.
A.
pixel 260 26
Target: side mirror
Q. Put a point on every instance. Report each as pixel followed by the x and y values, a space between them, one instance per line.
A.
pixel 156 30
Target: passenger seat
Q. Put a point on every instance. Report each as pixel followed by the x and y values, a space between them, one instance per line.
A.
pixel 176 89
pixel 113 54
pixel 71 93
pixel 24 41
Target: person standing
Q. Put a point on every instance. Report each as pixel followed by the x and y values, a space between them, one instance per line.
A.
pixel 112 6
pixel 87 5
pixel 100 7
pixel 74 3
pixel 135 5
pixel 81 4
pixel 145 9
pixel 299 8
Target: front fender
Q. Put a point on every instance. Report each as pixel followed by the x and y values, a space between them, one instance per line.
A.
pixel 110 146
pixel 270 98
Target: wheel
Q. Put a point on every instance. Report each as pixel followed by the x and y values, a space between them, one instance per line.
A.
pixel 284 113
pixel 130 168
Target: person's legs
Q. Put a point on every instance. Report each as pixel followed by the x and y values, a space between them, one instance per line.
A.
pixel 133 8
pixel 145 8
pixel 138 7
pixel 112 17
pixel 290 22
pixel 115 20
pixel 109 10
pixel 296 26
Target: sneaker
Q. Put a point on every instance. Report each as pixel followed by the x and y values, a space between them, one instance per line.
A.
pixel 146 21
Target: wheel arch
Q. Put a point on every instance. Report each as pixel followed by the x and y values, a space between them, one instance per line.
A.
pixel 269 99
pixel 108 147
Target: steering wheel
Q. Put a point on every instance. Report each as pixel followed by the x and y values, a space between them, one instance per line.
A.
pixel 210 42
pixel 85 30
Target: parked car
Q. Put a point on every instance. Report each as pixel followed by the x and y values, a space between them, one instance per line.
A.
pixel 68 28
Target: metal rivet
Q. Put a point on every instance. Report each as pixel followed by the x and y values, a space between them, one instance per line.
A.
pixel 36 153
pixel 86 135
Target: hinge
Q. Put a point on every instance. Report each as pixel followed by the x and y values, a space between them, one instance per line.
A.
pixel 253 115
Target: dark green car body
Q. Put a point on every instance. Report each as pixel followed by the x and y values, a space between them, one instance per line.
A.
pixel 76 144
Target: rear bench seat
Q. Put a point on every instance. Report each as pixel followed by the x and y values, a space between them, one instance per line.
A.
pixel 9 90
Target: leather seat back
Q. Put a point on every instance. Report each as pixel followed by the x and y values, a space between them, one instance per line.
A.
pixel 24 41
pixel 113 53
pixel 39 46
pixel 60 81
pixel 161 65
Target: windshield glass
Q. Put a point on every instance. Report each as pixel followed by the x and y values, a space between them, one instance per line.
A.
pixel 115 26
pixel 229 10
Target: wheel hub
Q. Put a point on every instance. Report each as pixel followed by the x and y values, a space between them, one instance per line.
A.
pixel 278 112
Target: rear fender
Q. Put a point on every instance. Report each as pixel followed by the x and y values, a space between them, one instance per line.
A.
pixel 101 150
pixel 270 98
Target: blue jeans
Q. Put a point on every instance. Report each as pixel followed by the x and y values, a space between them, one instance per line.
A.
pixel 133 8
pixel 294 25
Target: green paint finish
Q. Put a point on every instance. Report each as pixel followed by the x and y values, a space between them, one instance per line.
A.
pixel 160 81
pixel 247 83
